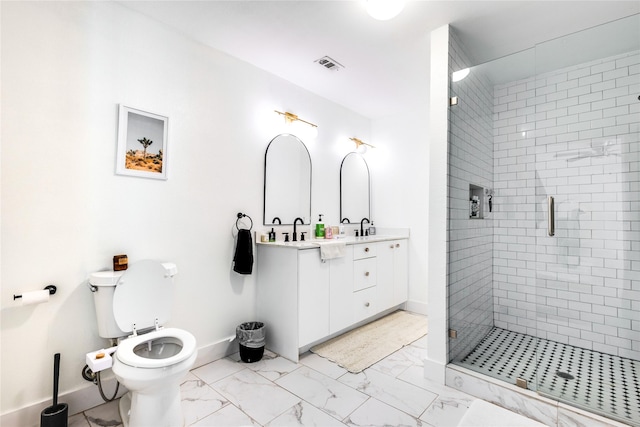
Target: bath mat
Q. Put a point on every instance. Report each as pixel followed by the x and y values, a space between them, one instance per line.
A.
pixel 360 348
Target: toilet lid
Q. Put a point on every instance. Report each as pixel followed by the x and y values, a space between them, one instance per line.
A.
pixel 143 294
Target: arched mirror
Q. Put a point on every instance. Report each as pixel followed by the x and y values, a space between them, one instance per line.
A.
pixel 287 181
pixel 354 188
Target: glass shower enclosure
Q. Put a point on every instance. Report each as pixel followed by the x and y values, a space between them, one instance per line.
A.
pixel 544 276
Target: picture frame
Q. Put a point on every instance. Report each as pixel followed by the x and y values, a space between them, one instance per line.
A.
pixel 142 143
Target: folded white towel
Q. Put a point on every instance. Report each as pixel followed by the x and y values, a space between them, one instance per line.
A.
pixel 332 250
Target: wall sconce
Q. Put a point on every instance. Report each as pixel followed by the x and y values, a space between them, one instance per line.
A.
pixel 361 147
pixel 291 119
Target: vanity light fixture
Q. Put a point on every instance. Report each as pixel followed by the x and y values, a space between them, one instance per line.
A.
pixel 291 118
pixel 361 147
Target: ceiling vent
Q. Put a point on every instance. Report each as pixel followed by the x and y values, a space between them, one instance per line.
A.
pixel 329 63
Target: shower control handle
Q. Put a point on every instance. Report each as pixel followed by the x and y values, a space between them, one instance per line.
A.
pixel 551 224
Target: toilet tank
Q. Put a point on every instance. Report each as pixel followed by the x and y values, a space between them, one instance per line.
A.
pixel 103 286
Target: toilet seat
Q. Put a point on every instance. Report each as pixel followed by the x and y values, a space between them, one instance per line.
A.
pixel 125 352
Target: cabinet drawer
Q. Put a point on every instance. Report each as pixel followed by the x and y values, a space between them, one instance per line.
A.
pixel 364 274
pixel 364 250
pixel 364 304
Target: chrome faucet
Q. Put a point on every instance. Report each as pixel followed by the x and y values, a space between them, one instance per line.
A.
pixel 295 235
pixel 362 225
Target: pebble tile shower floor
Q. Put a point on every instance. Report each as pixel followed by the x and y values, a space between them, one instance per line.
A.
pixel 599 382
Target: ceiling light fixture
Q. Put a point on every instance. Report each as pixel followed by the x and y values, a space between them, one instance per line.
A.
pixel 361 147
pixel 384 10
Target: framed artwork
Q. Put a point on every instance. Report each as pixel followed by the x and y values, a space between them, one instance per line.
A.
pixel 142 144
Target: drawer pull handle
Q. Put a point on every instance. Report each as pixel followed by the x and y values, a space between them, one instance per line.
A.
pixel 366 304
pixel 391 246
pixel 366 249
pixel 397 245
pixel 366 273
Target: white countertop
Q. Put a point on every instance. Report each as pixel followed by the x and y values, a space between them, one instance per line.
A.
pixel 349 240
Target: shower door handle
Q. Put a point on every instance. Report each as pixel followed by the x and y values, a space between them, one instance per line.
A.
pixel 551 216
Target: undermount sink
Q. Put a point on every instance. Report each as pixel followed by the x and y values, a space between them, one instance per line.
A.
pixel 302 244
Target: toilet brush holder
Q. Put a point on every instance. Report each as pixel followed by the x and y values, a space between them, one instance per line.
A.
pixel 56 415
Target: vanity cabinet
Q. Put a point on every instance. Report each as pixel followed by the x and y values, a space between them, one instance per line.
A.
pixel 303 300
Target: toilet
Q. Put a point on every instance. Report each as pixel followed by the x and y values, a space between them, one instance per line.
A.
pixel 150 361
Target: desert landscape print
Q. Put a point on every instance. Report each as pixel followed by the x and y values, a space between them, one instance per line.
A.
pixel 142 161
pixel 145 142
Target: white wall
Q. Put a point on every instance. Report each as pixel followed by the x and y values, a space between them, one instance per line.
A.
pixel 65 68
pixel 436 360
pixel 400 184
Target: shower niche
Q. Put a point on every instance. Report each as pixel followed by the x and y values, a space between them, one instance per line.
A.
pixel 476 202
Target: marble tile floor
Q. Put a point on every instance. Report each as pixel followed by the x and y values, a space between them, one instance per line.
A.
pixel 313 392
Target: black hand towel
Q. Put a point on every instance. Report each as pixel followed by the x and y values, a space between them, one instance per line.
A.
pixel 243 258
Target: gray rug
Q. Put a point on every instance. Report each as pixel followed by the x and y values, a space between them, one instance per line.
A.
pixel 360 348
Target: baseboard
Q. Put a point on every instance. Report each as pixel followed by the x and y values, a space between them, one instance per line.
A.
pixel 88 396
pixel 417 307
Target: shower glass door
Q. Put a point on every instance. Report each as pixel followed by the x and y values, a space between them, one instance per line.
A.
pixel 582 117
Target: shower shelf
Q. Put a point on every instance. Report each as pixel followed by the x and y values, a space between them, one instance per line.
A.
pixel 476 191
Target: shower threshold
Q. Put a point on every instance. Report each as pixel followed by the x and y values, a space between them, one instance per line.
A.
pixel 602 383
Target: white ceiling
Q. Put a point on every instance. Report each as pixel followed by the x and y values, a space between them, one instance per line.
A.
pixel 386 62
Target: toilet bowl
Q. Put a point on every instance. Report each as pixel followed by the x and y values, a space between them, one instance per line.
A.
pixel 152 366
pixel 150 361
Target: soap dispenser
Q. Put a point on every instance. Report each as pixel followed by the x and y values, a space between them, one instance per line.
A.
pixel 320 228
pixel 272 235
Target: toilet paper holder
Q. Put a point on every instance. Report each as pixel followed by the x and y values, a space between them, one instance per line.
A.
pixel 51 288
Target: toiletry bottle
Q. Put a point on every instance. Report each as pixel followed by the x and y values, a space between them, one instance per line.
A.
pixel 372 229
pixel 475 207
pixel 272 235
pixel 328 232
pixel 320 228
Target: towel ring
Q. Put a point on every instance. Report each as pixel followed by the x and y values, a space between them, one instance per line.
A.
pixel 240 216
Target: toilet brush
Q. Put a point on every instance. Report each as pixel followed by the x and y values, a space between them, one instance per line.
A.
pixel 57 414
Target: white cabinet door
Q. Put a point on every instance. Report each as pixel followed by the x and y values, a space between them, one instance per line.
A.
pixel 341 294
pixel 400 271
pixel 385 281
pixel 313 297
pixel 393 279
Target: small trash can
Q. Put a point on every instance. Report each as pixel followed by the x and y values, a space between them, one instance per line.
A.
pixel 251 339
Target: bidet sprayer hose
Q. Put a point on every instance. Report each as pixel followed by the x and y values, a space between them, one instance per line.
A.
pixel 115 393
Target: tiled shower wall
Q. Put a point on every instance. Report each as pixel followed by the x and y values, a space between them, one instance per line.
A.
pixel 470 244
pixel 573 134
